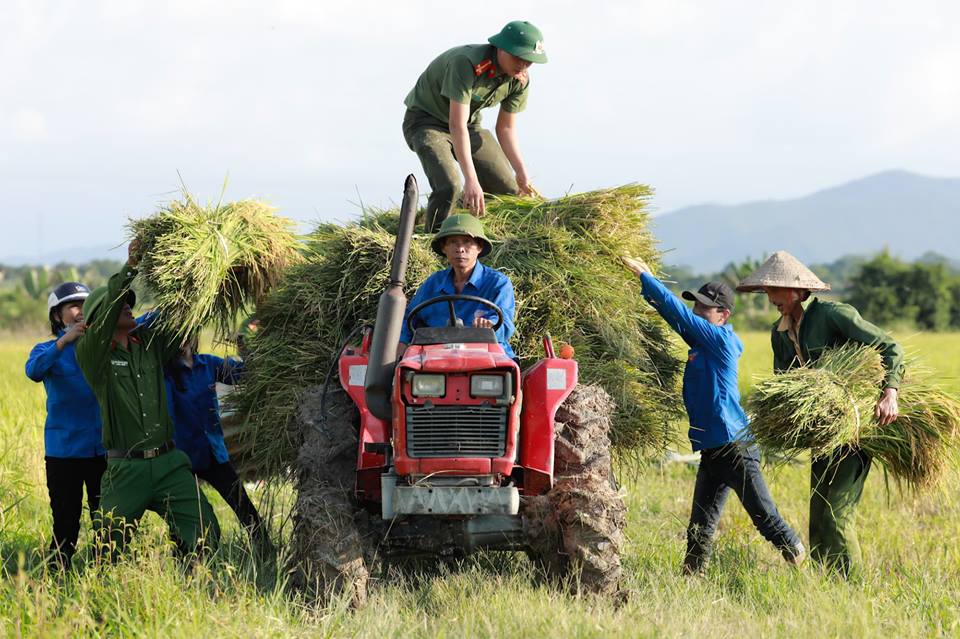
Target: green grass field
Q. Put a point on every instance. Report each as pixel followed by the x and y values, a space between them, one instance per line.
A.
pixel 910 585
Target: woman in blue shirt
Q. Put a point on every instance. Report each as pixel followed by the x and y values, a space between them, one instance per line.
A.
pixel 73 450
pixel 192 401
pixel 719 428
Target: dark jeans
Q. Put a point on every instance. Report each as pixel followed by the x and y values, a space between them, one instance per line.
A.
pixel 66 478
pixel 721 469
pixel 225 481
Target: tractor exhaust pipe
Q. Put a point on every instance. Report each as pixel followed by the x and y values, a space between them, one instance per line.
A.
pixel 378 382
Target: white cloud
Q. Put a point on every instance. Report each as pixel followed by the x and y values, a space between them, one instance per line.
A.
pixel 28 125
pixel 301 99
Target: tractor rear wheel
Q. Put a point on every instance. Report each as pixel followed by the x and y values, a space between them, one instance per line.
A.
pixel 330 550
pixel 576 531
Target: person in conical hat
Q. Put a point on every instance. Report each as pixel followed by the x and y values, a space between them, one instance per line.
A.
pixel 799 337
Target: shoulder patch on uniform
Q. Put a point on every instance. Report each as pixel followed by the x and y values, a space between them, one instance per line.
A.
pixel 487 66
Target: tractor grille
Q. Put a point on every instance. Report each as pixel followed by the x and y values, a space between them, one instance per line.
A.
pixel 456 431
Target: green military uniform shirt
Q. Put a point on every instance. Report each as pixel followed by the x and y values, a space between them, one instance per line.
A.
pixel 467 75
pixel 128 382
pixel 829 324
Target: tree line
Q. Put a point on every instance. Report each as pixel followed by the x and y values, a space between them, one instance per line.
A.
pixel 24 289
pixel 924 293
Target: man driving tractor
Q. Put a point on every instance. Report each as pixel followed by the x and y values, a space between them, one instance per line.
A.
pixel 462 242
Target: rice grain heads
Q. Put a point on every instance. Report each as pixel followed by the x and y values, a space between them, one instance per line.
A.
pixel 563 259
pixel 204 265
pixel 831 403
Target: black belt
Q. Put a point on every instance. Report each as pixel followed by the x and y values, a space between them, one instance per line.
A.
pixel 149 453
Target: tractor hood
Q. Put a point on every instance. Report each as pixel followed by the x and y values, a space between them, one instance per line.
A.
pixel 455 357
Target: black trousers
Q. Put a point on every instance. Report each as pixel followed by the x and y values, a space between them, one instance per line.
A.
pixel 66 478
pixel 721 469
pixel 225 481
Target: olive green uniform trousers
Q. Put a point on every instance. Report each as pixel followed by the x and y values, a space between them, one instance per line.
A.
pixel 836 486
pixel 434 146
pixel 164 485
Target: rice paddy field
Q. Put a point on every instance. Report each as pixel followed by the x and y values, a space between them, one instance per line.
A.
pixel 909 588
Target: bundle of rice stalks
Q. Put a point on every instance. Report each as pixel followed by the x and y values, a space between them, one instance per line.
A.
pixel 206 264
pixel 563 258
pixel 831 403
pixel 918 447
pixel 817 407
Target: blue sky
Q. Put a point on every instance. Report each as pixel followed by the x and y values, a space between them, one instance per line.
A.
pixel 105 103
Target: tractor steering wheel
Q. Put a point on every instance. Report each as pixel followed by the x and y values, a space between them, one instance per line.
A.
pixel 450 299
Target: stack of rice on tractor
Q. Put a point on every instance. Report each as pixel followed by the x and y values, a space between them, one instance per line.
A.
pixel 448 448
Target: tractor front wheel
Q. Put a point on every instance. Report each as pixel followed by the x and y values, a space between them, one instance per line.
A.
pixel 576 531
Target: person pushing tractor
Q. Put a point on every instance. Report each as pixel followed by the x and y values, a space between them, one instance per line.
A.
pixel 442 121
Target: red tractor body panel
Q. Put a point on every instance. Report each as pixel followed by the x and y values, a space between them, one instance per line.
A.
pixel 545 385
pixel 527 442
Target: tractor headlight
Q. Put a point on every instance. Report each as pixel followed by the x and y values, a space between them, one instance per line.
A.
pixel 425 385
pixel 486 386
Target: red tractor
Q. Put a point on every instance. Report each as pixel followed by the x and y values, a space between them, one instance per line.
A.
pixel 451 448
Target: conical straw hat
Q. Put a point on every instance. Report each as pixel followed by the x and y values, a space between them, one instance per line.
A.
pixel 784 270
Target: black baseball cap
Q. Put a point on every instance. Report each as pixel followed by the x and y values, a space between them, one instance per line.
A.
pixel 715 294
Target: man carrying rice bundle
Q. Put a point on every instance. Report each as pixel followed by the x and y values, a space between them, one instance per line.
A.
pixel 718 426
pixel 442 121
pixel 123 364
pixel 799 338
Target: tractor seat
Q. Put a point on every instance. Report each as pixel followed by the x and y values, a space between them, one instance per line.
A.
pixel 426 335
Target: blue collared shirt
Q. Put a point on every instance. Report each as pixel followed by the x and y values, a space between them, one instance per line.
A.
pixel 73 426
pixel 711 394
pixel 485 282
pixel 193 404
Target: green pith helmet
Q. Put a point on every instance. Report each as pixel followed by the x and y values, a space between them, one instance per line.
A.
pixel 97 298
pixel 461 224
pixel 522 39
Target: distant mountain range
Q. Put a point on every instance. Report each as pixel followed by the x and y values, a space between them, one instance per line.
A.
pixel 909 214
pixel 73 255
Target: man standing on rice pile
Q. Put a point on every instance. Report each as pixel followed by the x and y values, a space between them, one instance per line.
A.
pixel 442 121
pixel 798 338
pixel 719 428
pixel 462 241
pixel 123 364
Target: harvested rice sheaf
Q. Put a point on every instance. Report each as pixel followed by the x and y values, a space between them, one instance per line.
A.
pixel 204 265
pixel 563 259
pixel 831 403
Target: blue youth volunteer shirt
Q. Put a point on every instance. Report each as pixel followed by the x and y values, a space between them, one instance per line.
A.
pixel 710 390
pixel 193 404
pixel 73 428
pixel 485 282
